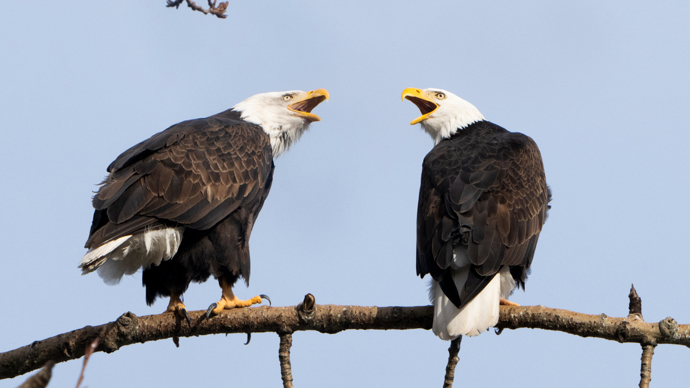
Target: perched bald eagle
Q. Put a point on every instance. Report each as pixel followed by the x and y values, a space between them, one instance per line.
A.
pixel 482 203
pixel 182 204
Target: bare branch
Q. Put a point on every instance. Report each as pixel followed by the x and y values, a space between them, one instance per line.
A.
pixel 646 368
pixel 87 353
pixel 40 379
pixel 453 359
pixel 284 357
pixel 130 329
pixel 218 10
pixel 628 329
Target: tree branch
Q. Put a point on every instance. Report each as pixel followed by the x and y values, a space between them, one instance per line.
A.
pixel 218 10
pixel 284 358
pixel 453 359
pixel 646 368
pixel 129 329
pixel 40 379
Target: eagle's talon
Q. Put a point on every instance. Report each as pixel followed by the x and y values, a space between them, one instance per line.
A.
pixel 183 311
pixel 210 310
pixel 249 338
pixel 264 296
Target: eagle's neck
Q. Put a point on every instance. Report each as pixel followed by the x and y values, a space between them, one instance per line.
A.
pixel 451 118
pixel 282 136
pixel 282 128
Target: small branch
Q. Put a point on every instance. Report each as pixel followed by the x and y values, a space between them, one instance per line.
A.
pixel 646 368
pixel 218 11
pixel 635 305
pixel 40 379
pixel 130 329
pixel 284 357
pixel 453 359
pixel 87 353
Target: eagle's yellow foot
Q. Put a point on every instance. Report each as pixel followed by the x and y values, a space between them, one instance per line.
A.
pixel 506 302
pixel 230 301
pixel 226 303
pixel 177 307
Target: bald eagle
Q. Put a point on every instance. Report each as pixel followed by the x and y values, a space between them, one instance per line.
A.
pixel 182 204
pixel 482 203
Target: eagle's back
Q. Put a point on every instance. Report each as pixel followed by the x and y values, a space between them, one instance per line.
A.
pixel 483 190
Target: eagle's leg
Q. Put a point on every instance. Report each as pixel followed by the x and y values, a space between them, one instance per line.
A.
pixel 176 306
pixel 506 302
pixel 229 301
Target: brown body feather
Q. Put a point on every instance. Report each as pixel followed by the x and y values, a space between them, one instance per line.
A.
pixel 483 190
pixel 209 175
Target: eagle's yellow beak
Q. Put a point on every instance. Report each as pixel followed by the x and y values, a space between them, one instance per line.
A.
pixel 306 102
pixel 423 102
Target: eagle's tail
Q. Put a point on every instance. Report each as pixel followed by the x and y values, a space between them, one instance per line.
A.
pixel 477 315
pixel 95 257
pixel 125 255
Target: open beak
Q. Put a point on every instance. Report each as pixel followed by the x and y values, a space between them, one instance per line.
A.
pixel 307 102
pixel 424 103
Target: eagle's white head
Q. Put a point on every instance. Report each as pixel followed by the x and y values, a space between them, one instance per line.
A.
pixel 284 116
pixel 443 113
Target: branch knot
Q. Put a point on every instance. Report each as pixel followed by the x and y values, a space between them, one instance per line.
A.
pixel 668 327
pixel 307 309
pixel 623 331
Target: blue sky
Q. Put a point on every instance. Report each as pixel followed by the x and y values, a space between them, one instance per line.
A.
pixel 602 87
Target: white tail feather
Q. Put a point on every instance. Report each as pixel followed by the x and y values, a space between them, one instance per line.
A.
pixel 477 315
pixel 90 261
pixel 125 255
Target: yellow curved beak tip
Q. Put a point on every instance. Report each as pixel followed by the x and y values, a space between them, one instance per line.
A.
pixel 410 92
pixel 320 92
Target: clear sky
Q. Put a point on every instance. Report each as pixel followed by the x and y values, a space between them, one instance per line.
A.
pixel 601 86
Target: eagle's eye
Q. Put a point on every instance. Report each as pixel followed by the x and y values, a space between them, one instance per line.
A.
pixel 440 96
pixel 287 97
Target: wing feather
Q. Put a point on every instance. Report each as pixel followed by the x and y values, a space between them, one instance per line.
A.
pixel 193 174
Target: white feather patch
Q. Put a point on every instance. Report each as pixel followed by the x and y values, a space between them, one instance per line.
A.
pixel 96 253
pixel 133 252
pixel 476 316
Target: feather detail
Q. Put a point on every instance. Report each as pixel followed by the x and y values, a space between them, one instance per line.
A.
pixel 125 255
pixel 474 317
pixel 90 261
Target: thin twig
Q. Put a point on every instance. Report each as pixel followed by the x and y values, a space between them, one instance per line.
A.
pixel 284 357
pixel 646 368
pixel 453 359
pixel 218 10
pixel 87 353
pixel 40 379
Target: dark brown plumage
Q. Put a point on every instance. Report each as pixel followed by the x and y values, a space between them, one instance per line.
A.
pixel 483 188
pixel 210 176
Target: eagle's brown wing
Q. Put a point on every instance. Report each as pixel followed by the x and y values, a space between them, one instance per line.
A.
pixel 193 174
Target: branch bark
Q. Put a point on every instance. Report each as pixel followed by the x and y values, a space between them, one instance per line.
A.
pixel 213 9
pixel 40 379
pixel 284 358
pixel 129 329
pixel 646 368
pixel 453 359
